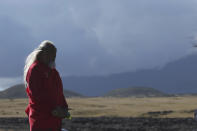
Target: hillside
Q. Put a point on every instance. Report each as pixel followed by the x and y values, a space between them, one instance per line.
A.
pixel 18 91
pixel 68 93
pixel 179 76
pixel 135 92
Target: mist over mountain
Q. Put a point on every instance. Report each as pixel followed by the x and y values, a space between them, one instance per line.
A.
pixel 179 76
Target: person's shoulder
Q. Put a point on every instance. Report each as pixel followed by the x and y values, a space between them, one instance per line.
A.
pixel 35 67
pixel 55 71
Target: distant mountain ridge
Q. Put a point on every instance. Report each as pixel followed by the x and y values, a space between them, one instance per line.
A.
pixel 175 78
pixel 179 76
pixel 18 91
pixel 135 92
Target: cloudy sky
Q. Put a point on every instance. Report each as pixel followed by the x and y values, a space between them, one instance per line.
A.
pixel 96 37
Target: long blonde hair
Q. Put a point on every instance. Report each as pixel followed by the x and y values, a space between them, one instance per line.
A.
pixel 46 45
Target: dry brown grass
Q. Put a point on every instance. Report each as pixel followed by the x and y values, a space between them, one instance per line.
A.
pixel 124 107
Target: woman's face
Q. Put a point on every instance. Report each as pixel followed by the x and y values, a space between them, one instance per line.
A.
pixel 52 56
pixel 48 57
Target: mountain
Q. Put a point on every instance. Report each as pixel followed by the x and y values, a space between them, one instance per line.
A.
pixel 179 76
pixel 18 91
pixel 135 92
pixel 68 93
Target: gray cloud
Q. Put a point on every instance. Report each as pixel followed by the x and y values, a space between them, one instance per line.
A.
pixel 15 43
pixel 101 37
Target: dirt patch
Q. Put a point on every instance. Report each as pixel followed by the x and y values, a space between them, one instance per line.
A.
pixel 157 113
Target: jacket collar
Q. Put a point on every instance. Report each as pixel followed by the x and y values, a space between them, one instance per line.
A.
pixel 42 65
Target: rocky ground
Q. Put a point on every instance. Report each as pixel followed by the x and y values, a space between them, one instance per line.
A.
pixel 109 124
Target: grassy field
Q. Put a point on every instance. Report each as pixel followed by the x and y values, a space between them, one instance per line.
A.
pixel 123 107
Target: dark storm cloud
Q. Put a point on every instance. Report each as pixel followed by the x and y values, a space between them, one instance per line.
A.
pixel 15 42
pixel 136 34
pixel 100 36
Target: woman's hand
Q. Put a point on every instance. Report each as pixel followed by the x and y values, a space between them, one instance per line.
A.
pixel 60 112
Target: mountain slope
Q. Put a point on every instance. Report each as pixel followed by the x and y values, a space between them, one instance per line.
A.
pixel 135 92
pixel 176 77
pixel 18 91
pixel 68 93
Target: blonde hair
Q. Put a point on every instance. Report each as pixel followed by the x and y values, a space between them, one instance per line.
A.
pixel 45 46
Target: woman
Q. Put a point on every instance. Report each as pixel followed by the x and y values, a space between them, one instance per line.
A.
pixel 47 105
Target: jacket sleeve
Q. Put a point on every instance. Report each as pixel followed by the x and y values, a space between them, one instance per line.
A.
pixel 38 90
pixel 62 99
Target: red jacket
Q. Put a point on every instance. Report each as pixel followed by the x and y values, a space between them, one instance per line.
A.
pixel 45 92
